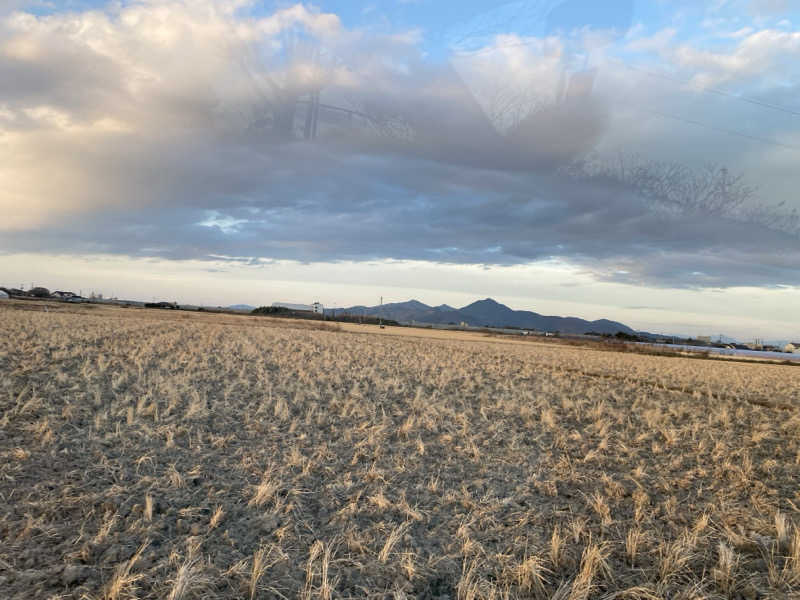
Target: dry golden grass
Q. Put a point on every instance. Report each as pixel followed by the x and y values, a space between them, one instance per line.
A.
pixel 148 454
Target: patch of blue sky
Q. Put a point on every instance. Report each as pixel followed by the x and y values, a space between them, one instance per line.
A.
pixel 47 7
pixel 471 24
pixel 225 223
pixel 449 27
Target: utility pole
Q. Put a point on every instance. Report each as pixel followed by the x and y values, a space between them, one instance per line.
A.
pixel 312 111
pixel 312 116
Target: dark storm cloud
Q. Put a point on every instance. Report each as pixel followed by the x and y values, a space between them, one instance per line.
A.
pixel 135 151
pixel 405 208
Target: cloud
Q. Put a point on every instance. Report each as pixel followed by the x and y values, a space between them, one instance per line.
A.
pixel 176 130
pixel 756 53
pixel 660 42
pixel 773 7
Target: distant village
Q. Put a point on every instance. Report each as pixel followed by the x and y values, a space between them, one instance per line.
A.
pixel 708 341
pixel 317 311
pixel 42 293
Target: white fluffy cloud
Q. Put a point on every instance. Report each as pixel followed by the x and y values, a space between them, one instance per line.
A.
pixel 757 54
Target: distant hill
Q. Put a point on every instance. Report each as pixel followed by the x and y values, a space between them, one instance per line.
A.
pixel 488 313
pixel 246 307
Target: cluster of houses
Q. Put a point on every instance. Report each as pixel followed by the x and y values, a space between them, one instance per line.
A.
pixel 67 296
pixel 758 345
pixel 315 308
pixel 40 292
pixel 790 348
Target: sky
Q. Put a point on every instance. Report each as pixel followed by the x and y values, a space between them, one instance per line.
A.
pixel 636 162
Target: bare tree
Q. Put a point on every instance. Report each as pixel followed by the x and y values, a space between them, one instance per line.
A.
pixel 776 216
pixel 711 189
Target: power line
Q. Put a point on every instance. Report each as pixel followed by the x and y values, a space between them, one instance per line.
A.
pixel 704 89
pixel 711 90
pixel 708 90
pixel 723 130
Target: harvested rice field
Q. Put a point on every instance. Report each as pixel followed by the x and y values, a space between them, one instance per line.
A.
pixel 159 454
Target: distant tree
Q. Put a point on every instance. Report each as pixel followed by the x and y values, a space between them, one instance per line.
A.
pixel 269 310
pixel 621 335
pixel 39 292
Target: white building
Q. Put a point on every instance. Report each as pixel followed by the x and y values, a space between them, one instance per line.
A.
pixel 792 347
pixel 316 307
pixel 63 295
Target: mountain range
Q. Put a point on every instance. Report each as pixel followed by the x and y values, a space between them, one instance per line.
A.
pixel 484 313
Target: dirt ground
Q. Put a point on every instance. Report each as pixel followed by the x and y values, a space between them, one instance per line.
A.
pixel 159 454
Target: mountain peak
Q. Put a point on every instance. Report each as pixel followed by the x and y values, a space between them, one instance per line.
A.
pixel 486 304
pixel 415 303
